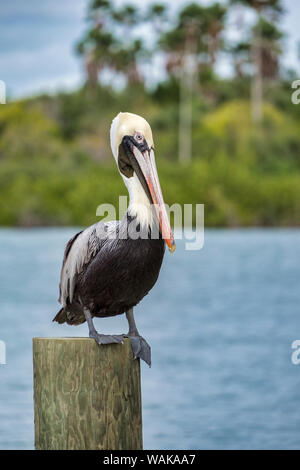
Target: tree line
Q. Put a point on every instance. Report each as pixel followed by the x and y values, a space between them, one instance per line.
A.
pixel 115 41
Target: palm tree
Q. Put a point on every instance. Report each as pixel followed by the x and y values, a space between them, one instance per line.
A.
pixel 127 17
pixel 109 43
pixel 126 62
pixel 198 29
pixel 263 9
pixel 270 48
pixel 214 21
pixel 192 45
pixel 127 55
pixel 156 15
pixel 97 43
pixel 240 53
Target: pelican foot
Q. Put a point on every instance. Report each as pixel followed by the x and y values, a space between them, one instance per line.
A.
pixel 107 339
pixel 140 348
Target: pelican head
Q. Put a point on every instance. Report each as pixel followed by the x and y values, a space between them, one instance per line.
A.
pixel 133 149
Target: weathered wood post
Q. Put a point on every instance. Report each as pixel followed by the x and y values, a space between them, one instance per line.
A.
pixel 86 396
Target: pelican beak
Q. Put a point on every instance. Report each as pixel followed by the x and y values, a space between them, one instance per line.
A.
pixel 148 176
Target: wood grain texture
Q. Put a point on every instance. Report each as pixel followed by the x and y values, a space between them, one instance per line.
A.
pixel 86 396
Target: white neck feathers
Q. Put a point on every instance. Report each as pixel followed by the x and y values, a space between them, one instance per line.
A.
pixel 139 204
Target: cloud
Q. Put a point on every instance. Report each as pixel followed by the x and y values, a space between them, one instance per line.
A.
pixel 36 44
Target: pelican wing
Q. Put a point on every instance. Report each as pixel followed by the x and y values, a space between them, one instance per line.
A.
pixel 79 252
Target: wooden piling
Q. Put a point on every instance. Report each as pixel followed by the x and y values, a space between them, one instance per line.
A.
pixel 86 396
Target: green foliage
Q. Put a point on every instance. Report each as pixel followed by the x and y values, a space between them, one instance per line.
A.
pixel 271 147
pixel 56 165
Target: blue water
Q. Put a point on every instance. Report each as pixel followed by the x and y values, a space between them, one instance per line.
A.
pixel 220 322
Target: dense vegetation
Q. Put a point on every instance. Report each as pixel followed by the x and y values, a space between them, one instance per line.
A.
pixel 55 162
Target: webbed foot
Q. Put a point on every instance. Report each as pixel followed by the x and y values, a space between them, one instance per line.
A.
pixel 140 348
pixel 100 339
pixel 106 339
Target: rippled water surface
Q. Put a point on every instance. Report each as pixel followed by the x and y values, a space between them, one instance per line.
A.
pixel 220 322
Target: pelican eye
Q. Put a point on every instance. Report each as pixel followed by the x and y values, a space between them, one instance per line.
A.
pixel 139 137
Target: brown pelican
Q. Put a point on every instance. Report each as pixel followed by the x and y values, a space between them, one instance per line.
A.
pixel 109 267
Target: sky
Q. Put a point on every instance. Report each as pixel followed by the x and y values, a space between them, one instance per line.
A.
pixel 37 43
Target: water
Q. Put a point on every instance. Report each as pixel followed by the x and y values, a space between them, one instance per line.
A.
pixel 220 322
